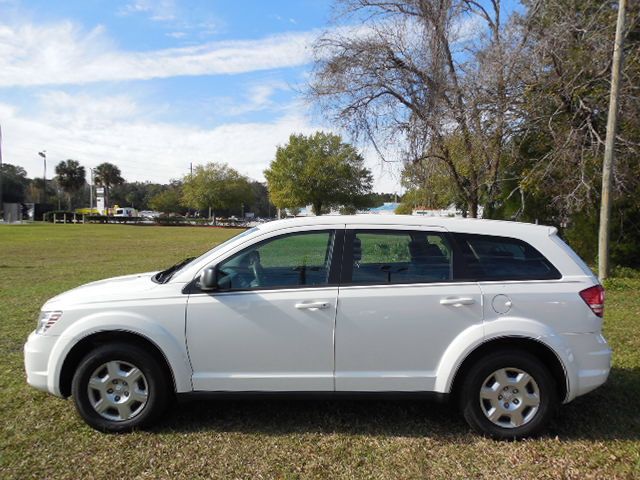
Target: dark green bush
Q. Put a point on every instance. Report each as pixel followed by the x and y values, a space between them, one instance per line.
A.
pixel 171 220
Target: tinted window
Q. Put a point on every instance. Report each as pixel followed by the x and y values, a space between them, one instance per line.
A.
pixel 498 258
pixel 399 257
pixel 290 260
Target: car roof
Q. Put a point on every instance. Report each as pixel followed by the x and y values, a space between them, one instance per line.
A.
pixel 463 225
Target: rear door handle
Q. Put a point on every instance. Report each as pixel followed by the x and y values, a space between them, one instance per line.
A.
pixel 312 306
pixel 457 301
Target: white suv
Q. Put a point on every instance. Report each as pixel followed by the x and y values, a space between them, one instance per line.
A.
pixel 503 316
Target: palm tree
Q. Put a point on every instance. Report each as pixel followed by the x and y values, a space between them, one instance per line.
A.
pixel 108 175
pixel 70 175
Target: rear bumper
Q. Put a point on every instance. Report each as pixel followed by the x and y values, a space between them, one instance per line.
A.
pixel 589 358
pixel 36 360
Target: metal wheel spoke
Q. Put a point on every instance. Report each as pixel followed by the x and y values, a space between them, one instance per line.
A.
pixel 97 384
pixel 101 406
pixel 124 410
pixel 489 393
pixel 113 370
pixel 139 395
pixel 516 418
pixel 494 414
pixel 531 399
pixel 523 380
pixel 133 375
pixel 502 378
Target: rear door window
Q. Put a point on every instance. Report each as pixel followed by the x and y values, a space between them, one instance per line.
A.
pixel 488 257
pixel 388 257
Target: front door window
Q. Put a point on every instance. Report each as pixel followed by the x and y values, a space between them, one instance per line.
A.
pixel 294 260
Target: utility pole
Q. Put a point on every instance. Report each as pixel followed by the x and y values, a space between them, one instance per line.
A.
pixel 609 149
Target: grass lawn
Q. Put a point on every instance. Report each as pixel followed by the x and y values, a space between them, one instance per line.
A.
pixel 597 436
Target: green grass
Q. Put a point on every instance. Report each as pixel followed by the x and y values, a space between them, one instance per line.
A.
pixel 597 436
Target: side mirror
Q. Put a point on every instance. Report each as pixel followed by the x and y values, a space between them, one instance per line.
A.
pixel 209 279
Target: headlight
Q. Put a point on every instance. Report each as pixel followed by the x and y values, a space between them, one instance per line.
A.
pixel 47 320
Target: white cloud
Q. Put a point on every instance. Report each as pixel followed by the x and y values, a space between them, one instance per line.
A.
pixel 160 11
pixel 257 98
pixel 115 129
pixel 74 111
pixel 64 53
pixel 112 129
pixel 135 7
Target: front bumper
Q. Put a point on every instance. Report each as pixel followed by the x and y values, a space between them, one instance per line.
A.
pixel 36 360
pixel 590 357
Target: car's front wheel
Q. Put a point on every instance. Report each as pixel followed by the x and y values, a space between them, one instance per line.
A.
pixel 118 387
pixel 508 395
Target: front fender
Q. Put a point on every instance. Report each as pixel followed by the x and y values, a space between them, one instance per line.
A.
pixel 473 337
pixel 173 349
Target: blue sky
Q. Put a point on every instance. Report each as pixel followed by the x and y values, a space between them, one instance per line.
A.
pixel 155 85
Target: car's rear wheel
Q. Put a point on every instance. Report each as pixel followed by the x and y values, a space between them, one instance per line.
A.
pixel 508 395
pixel 118 387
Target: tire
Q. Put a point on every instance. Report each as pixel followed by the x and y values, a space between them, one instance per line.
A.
pixel 508 394
pixel 118 387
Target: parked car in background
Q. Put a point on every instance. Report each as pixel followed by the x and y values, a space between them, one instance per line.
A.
pixel 503 318
pixel 125 212
pixel 149 214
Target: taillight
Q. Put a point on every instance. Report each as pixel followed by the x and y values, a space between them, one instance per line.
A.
pixel 594 297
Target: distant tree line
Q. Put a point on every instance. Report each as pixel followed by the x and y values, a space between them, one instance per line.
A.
pixel 69 189
pixel 319 170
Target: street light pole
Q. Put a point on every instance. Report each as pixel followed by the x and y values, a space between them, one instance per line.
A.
pixel 91 191
pixel 43 154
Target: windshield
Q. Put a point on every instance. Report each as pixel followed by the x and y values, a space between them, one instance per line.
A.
pixel 165 275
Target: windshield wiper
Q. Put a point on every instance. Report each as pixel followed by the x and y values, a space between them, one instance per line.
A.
pixel 165 275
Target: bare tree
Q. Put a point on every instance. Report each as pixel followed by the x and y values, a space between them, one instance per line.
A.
pixel 439 80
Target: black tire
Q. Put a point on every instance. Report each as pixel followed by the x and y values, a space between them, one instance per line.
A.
pixel 474 409
pixel 153 382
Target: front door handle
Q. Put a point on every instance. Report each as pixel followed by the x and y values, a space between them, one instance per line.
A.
pixel 312 306
pixel 457 301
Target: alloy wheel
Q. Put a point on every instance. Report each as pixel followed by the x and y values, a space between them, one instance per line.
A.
pixel 118 390
pixel 509 397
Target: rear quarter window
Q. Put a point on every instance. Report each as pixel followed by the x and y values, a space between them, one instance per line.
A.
pixel 492 258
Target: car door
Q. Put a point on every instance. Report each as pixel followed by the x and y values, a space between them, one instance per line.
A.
pixel 270 325
pixel 399 308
